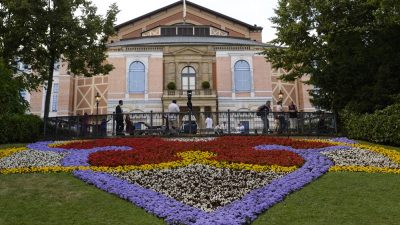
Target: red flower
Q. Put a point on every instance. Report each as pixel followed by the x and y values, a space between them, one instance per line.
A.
pixel 231 149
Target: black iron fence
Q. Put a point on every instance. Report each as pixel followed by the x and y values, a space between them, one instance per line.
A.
pixel 192 123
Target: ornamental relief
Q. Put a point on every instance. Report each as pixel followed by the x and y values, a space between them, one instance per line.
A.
pixel 154 32
pixel 217 32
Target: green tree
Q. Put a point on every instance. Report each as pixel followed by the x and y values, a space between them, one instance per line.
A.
pixel 42 32
pixel 11 101
pixel 348 48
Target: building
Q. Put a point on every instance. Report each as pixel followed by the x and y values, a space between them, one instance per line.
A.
pixel 187 46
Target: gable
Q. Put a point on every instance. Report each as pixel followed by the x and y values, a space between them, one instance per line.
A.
pixel 173 14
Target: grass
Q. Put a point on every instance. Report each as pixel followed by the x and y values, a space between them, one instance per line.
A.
pixel 4 146
pixel 62 199
pixel 340 198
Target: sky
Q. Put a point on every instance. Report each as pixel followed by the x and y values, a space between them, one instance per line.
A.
pixel 248 11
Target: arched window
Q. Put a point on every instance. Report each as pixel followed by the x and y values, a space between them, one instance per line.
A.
pixel 188 78
pixel 242 76
pixel 136 77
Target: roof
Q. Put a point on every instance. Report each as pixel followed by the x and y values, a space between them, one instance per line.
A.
pixel 189 40
pixel 188 3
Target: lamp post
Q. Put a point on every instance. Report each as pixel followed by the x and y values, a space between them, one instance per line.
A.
pixel 190 108
pixel 97 97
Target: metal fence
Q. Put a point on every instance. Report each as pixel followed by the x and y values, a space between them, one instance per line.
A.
pixel 192 123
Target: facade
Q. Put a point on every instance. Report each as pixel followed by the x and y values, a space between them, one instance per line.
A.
pixel 192 47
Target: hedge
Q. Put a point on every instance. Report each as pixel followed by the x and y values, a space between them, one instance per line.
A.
pixel 17 128
pixel 383 126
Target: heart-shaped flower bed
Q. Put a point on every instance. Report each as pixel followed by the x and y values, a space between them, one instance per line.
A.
pixel 227 180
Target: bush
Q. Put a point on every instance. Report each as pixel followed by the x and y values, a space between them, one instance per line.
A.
pixel 20 128
pixel 383 126
pixel 205 85
pixel 171 86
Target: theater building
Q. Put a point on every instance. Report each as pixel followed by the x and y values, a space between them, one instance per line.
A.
pixel 188 47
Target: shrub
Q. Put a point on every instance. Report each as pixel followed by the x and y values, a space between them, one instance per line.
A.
pixel 383 126
pixel 171 86
pixel 20 128
pixel 205 85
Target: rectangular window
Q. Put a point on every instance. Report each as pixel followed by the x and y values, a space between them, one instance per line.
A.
pixel 185 31
pixel 168 31
pixel 54 104
pixel 202 31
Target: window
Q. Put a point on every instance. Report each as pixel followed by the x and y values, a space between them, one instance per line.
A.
pixel 202 31
pixel 136 77
pixel 185 31
pixel 54 103
pixel 168 31
pixel 188 78
pixel 242 76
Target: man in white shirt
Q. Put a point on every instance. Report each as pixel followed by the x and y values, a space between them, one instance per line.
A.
pixel 209 123
pixel 173 110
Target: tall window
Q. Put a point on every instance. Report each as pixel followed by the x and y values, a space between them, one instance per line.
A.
pixel 242 76
pixel 188 78
pixel 136 77
pixel 54 102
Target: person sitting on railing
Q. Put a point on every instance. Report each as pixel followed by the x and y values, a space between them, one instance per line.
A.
pixel 103 127
pixel 218 129
pixel 129 126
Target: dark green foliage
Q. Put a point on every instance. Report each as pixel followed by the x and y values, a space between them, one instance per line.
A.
pixel 11 100
pixel 205 85
pixel 349 48
pixel 171 86
pixel 42 32
pixel 383 126
pixel 20 128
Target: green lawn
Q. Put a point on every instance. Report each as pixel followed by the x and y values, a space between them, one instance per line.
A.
pixel 62 199
pixel 4 146
pixel 343 198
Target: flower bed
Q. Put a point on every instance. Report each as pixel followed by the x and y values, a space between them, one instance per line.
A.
pixel 226 180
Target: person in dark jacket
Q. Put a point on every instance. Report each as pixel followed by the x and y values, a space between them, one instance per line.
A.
pixel 263 112
pixel 119 117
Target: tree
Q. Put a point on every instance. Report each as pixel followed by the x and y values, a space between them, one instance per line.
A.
pixel 349 48
pixel 42 32
pixel 11 101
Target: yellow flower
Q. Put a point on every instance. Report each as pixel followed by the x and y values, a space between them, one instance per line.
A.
pixel 10 151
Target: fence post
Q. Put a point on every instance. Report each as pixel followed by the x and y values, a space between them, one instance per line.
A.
pixel 151 119
pixel 113 124
pixel 229 121
pixel 190 122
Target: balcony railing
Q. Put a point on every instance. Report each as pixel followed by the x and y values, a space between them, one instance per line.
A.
pixel 193 123
pixel 195 93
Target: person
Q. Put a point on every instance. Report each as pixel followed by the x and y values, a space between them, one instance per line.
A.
pixel 129 126
pixel 103 127
pixel 173 110
pixel 85 124
pixel 209 123
pixel 281 117
pixel 119 118
pixel 224 127
pixel 263 111
pixel 240 128
pixel 218 129
pixel 293 116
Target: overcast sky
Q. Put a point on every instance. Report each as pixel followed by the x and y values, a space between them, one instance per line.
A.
pixel 249 11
